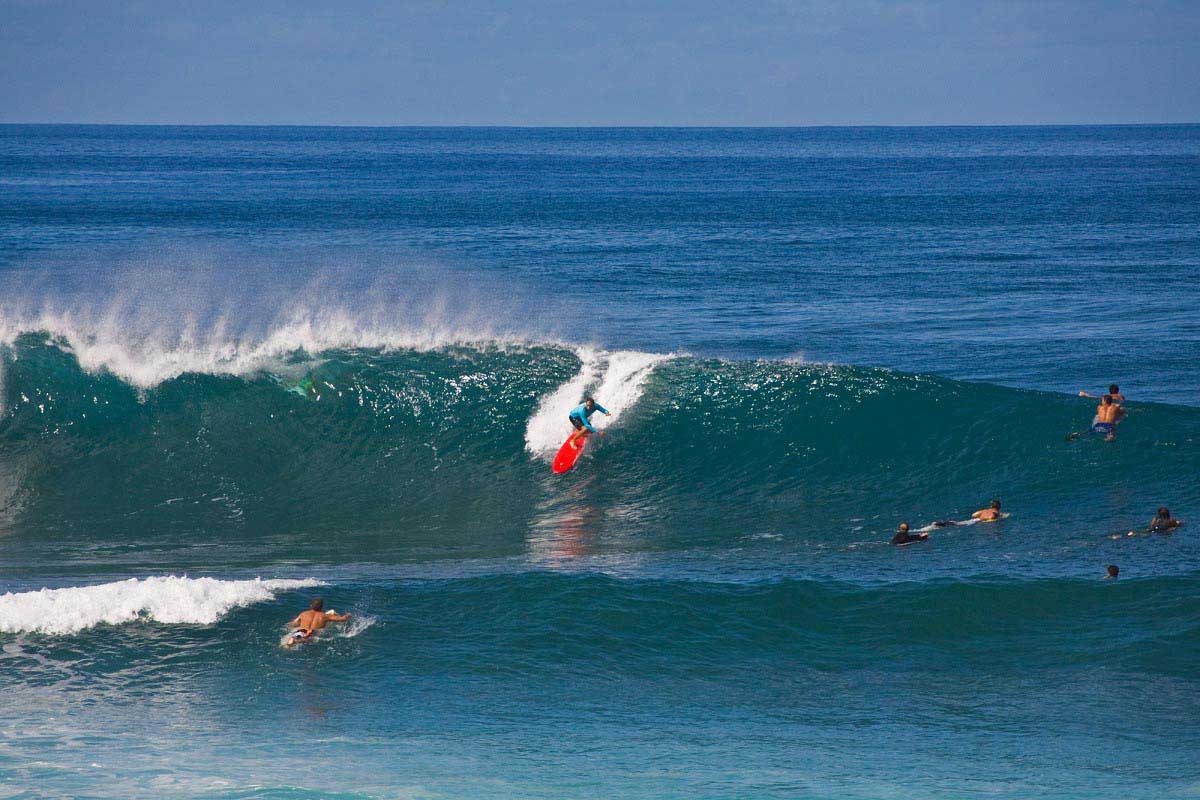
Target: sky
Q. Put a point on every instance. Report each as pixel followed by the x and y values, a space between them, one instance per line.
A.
pixel 664 62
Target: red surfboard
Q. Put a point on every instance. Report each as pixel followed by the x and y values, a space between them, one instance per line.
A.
pixel 567 454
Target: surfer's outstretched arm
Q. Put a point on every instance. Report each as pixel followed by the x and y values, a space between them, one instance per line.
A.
pixel 337 617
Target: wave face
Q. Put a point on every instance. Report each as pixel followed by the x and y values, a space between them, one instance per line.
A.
pixel 385 454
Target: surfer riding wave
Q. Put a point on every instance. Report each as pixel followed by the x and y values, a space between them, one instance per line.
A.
pixel 581 419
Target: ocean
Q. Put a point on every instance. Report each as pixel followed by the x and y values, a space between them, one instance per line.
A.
pixel 241 367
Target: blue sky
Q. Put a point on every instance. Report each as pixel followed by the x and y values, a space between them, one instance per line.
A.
pixel 607 63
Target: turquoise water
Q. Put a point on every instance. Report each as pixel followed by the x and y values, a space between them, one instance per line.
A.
pixel 242 367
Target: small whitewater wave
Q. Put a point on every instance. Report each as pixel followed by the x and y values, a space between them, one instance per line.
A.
pixel 615 379
pixel 170 600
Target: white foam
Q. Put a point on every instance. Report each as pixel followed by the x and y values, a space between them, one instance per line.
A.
pixel 166 599
pixel 356 625
pixel 619 389
pixel 148 356
pixel 548 427
pixel 150 314
pixel 623 380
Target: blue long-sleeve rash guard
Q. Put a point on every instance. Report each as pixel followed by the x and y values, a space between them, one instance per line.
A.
pixel 581 413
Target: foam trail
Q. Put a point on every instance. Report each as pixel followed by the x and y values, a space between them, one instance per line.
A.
pixel 354 627
pixel 548 427
pixel 621 387
pixel 166 599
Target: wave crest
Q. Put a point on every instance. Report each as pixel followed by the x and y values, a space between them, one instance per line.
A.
pixel 169 600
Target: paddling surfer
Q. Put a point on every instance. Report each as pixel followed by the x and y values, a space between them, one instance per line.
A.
pixel 1114 392
pixel 1110 411
pixel 1163 521
pixel 990 514
pixel 581 419
pixel 309 622
pixel 904 537
pixel 1108 414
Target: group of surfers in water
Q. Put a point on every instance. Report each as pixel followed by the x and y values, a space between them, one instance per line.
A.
pixel 1109 414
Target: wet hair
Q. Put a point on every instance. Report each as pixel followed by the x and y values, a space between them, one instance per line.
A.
pixel 1106 400
pixel 317 604
pixel 996 504
pixel 1113 570
pixel 904 527
pixel 1163 513
pixel 1114 389
pixel 589 400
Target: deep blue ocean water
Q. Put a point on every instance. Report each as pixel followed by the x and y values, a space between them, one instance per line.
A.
pixel 244 366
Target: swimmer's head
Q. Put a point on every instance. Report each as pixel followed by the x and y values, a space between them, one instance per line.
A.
pixel 317 604
pixel 996 505
pixel 904 527
pixel 1113 570
pixel 1106 400
pixel 1114 389
pixel 589 402
pixel 1163 513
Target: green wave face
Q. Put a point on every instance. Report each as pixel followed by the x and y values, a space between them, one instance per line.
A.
pixel 366 455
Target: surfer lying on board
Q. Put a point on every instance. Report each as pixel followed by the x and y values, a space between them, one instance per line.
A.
pixel 990 514
pixel 309 622
pixel 1162 522
pixel 1108 414
pixel 904 537
pixel 581 418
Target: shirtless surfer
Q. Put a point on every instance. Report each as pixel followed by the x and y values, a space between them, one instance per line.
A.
pixel 990 514
pixel 1108 414
pixel 309 622
pixel 581 418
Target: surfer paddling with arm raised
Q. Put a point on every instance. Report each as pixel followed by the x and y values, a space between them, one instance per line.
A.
pixel 1114 392
pixel 581 418
pixel 1108 414
pixel 309 622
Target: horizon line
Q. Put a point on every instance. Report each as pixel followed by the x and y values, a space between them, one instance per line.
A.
pixel 521 126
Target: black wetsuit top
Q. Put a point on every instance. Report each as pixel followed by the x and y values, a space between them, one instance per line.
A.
pixel 904 537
